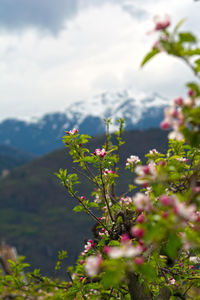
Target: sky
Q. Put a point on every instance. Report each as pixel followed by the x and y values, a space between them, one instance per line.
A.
pixel 53 53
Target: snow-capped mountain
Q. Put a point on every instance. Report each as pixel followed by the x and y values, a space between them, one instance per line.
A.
pixel 44 134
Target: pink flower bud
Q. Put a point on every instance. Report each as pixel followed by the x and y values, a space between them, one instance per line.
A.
pixel 175 210
pixel 179 101
pixel 165 125
pixel 146 170
pixel 139 261
pixel 166 200
pixel 162 24
pixel 191 267
pixel 191 93
pixel 82 261
pixel 99 152
pixel 162 163
pixel 165 214
pixel 145 185
pixel 81 278
pixel 124 238
pixel 106 249
pixel 196 189
pixel 140 218
pixel 137 232
pixel 141 243
pixel 175 113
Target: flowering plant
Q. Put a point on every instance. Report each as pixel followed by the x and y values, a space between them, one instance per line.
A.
pixel 146 244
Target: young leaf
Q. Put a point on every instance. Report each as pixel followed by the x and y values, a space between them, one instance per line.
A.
pixel 149 56
pixel 187 37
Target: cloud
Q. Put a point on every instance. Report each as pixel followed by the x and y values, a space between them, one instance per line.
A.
pixel 100 49
pixel 51 15
pixel 43 14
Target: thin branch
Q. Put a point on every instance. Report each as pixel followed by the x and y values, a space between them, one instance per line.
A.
pixel 104 193
pixel 87 209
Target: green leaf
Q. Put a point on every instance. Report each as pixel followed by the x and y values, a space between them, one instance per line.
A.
pixel 179 24
pixel 114 243
pixel 187 37
pixel 93 204
pixel 148 271
pixel 113 275
pixel 194 86
pixel 78 208
pixel 197 69
pixel 197 61
pixel 167 46
pixel 192 52
pixel 173 245
pixel 149 56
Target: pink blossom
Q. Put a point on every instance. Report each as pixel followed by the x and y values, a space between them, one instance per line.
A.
pixel 173 118
pixel 176 135
pixel 186 212
pixel 162 163
pixel 146 173
pixel 107 171
pixel 72 132
pixel 88 246
pixel 103 232
pixel 165 124
pixel 125 250
pixel 82 261
pixel 191 267
pixel 140 218
pixel 142 202
pixel 97 198
pixel 179 101
pixel 126 200
pixel 125 238
pixel 195 259
pixel 137 232
pixel 106 249
pixel 191 93
pixel 132 160
pixel 196 189
pixel 166 200
pixel 154 151
pixel 92 265
pixel 172 280
pixel 161 23
pixel 139 261
pixel 165 214
pixel 100 152
pixel 182 159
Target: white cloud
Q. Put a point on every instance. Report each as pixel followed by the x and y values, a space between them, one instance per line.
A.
pixel 100 49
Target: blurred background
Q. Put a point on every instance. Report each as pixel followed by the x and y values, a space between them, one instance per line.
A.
pixel 66 64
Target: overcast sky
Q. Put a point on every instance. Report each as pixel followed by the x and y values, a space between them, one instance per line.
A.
pixel 53 53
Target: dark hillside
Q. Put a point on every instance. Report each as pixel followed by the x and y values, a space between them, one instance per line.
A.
pixel 11 157
pixel 36 212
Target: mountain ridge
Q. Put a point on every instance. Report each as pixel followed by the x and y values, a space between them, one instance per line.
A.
pixel 44 134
